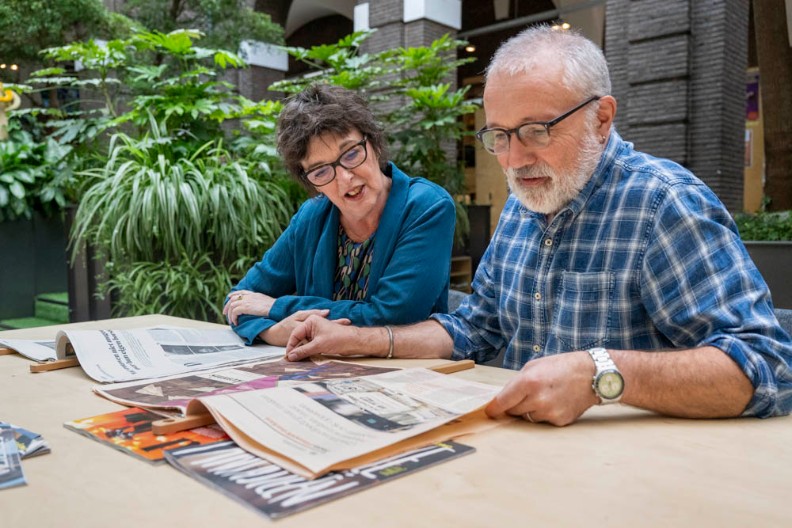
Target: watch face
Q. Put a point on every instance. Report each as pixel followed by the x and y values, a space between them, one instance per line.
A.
pixel 610 385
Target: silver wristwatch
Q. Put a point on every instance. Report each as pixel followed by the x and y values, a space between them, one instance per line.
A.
pixel 608 383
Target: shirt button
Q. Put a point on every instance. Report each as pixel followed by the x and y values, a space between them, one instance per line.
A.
pixel 538 296
pixel 537 348
pixel 548 242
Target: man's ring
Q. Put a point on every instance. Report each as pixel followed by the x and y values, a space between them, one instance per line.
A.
pixel 527 416
pixel 239 297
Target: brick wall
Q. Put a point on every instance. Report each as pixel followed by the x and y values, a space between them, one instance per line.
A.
pixel 678 70
pixel 719 60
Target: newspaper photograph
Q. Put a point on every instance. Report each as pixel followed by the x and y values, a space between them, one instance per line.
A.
pixel 126 355
pixel 37 350
pixel 316 427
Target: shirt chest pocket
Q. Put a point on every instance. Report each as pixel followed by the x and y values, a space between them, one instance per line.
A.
pixel 582 314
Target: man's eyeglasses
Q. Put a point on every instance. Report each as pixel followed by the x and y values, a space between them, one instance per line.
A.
pixel 534 134
pixel 351 158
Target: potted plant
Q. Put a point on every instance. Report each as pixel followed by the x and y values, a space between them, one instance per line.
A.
pixel 176 231
pixel 33 173
pixel 175 211
pixel 768 238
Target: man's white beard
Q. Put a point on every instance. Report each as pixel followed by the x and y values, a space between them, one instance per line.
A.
pixel 561 187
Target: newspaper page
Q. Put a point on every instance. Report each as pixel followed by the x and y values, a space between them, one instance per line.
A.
pixel 37 350
pixel 178 393
pixel 126 355
pixel 313 428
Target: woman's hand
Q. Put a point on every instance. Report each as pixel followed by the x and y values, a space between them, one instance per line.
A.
pixel 279 333
pixel 246 302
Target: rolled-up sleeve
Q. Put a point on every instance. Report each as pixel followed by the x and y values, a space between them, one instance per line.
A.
pixel 475 325
pixel 701 289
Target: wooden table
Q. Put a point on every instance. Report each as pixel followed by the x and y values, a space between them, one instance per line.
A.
pixel 616 467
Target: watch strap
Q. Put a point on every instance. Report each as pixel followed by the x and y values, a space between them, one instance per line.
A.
pixel 603 363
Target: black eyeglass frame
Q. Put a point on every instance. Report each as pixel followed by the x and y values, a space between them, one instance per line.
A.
pixel 546 124
pixel 338 162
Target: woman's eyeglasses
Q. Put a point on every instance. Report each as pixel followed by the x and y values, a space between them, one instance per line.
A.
pixel 351 158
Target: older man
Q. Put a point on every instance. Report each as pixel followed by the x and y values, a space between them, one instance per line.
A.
pixel 612 276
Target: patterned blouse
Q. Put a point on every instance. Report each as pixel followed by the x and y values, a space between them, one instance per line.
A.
pixel 354 267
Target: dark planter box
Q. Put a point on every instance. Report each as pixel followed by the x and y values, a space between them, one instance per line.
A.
pixel 774 260
pixel 33 261
pixel 85 275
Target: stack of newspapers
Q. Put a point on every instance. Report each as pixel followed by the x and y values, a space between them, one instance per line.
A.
pixel 325 425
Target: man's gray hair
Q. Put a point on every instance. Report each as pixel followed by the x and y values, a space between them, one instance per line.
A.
pixel 585 68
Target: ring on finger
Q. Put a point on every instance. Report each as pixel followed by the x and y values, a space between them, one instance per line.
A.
pixel 239 297
pixel 527 417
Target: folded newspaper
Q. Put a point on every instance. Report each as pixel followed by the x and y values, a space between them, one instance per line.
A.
pixel 317 427
pixel 126 355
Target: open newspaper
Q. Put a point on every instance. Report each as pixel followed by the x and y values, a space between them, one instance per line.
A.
pixel 317 427
pixel 126 355
pixel 179 394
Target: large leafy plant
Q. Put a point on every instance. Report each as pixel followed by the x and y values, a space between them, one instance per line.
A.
pixel 177 230
pixel 178 209
pixel 32 175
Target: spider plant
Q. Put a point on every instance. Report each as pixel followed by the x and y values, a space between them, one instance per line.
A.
pixel 177 227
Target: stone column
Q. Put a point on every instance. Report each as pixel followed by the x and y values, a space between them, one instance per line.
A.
pixel 678 71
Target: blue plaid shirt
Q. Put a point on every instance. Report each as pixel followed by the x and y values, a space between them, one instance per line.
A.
pixel 645 258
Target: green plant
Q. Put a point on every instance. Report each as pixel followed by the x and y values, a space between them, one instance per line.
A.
pixel 164 75
pixel 178 211
pixel 33 175
pixel 27 26
pixel 765 225
pixel 165 221
pixel 226 22
pixel 125 81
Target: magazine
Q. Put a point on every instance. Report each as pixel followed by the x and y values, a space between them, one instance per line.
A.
pixel 276 493
pixel 29 444
pixel 317 427
pixel 126 355
pixel 129 431
pixel 178 394
pixel 10 462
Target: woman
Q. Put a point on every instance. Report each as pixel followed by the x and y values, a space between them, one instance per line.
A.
pixel 372 248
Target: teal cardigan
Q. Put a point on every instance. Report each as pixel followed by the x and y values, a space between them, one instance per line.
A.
pixel 409 268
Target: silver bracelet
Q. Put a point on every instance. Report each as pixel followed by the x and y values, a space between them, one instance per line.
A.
pixel 390 342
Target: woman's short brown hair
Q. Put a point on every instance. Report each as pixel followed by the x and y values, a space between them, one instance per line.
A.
pixel 321 109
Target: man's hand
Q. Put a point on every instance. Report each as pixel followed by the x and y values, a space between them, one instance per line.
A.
pixel 246 302
pixel 317 335
pixel 555 389
pixel 279 333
